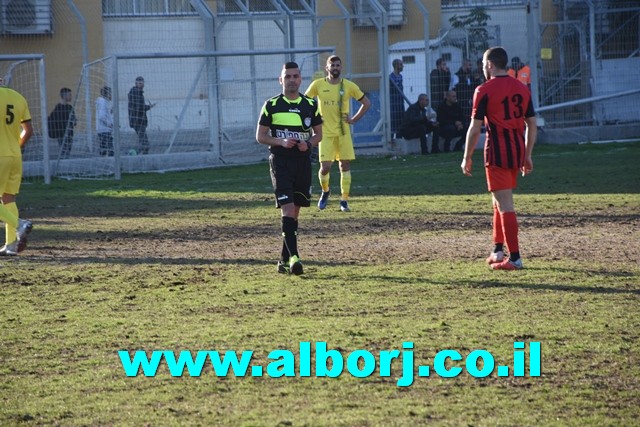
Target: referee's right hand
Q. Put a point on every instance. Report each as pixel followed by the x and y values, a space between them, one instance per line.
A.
pixel 289 142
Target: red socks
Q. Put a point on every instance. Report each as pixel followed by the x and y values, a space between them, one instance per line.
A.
pixel 509 230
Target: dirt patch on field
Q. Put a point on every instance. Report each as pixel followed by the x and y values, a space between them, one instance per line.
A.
pixel 598 238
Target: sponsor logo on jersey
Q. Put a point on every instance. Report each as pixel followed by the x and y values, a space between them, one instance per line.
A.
pixel 286 133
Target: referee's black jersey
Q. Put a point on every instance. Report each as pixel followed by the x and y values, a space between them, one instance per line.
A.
pixel 290 119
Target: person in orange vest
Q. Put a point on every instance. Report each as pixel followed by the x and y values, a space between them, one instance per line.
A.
pixel 520 71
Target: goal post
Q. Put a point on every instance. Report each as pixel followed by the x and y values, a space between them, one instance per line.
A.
pixel 203 106
pixel 25 73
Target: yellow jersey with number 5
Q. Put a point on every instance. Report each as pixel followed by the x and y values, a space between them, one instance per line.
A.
pixel 14 111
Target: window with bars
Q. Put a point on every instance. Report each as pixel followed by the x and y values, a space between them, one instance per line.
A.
pixel 147 8
pixel 263 6
pixel 452 4
pixel 396 12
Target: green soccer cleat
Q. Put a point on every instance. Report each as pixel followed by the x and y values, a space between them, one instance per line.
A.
pixel 295 266
pixel 283 268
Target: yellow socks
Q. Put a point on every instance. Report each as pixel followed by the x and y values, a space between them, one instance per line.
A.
pixel 324 181
pixel 10 230
pixel 345 184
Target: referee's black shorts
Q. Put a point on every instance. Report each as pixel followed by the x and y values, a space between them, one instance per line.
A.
pixel 291 179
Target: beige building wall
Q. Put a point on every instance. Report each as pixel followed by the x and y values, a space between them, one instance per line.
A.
pixel 63 48
pixel 364 47
pixel 364 39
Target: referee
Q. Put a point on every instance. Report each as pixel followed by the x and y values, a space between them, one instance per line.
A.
pixel 290 124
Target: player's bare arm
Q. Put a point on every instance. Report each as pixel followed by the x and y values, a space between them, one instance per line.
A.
pixel 529 141
pixel 473 134
pixel 365 104
pixel 27 132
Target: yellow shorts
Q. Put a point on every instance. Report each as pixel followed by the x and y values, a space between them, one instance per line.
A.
pixel 10 174
pixel 336 148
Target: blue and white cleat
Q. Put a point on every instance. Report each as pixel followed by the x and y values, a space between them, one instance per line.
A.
pixel 324 200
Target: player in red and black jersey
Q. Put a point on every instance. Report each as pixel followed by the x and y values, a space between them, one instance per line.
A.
pixel 290 124
pixel 504 106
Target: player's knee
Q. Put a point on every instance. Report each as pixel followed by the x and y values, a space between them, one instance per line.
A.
pixel 325 168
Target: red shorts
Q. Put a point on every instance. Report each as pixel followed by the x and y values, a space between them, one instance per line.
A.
pixel 501 178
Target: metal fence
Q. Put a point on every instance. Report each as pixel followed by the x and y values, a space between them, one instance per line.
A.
pixel 590 54
pixel 26 74
pixel 208 66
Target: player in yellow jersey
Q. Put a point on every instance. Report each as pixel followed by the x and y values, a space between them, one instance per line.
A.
pixel 334 95
pixel 15 131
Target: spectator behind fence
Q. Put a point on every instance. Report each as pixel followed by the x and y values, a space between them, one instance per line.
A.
pixel 450 124
pixel 467 83
pixel 396 95
pixel 440 81
pixel 61 122
pixel 104 121
pixel 138 120
pixel 417 122
pixel 478 73
pixel 520 71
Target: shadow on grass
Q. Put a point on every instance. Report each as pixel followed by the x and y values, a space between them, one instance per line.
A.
pixel 377 176
pixel 403 280
pixel 551 287
pixel 137 207
pixel 254 262
pixel 314 270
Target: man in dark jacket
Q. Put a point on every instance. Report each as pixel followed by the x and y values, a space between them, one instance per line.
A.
pixel 440 82
pixel 467 83
pixel 62 120
pixel 416 122
pixel 450 123
pixel 138 114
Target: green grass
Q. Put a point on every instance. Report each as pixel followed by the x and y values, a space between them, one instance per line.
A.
pixel 186 261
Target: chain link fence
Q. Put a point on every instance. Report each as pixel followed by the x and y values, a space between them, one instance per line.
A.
pixel 206 102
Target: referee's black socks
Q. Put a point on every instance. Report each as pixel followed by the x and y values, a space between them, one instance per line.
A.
pixel 290 239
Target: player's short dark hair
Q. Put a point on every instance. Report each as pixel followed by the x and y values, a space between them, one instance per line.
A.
pixel 439 61
pixel 64 91
pixel 396 62
pixel 333 58
pixel 498 56
pixel 139 79
pixel 289 65
pixel 105 91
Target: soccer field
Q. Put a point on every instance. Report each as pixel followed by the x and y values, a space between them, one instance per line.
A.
pixel 187 262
